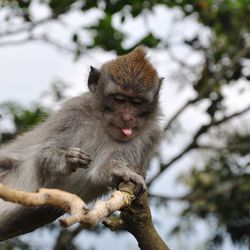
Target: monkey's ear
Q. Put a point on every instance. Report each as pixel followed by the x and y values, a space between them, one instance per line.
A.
pixel 159 84
pixel 94 76
pixel 161 79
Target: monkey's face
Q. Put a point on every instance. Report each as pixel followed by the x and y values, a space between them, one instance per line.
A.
pixel 125 113
pixel 127 90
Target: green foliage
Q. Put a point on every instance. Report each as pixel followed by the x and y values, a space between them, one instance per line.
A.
pixel 221 190
pixel 107 35
pixel 23 118
pixel 59 7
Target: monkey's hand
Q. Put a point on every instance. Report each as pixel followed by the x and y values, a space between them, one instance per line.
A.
pixel 122 173
pixel 75 159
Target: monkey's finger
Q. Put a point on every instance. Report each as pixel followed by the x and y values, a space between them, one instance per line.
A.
pixel 84 156
pixel 77 154
pixel 78 162
pixel 80 157
pixel 74 149
pixel 140 189
pixel 140 186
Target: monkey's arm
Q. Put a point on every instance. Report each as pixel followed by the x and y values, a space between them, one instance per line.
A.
pixel 54 161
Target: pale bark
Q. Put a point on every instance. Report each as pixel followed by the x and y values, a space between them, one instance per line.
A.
pixel 135 218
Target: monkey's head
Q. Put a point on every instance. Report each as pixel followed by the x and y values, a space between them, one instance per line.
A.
pixel 127 91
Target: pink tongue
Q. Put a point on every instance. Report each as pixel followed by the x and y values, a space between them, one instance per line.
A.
pixel 127 131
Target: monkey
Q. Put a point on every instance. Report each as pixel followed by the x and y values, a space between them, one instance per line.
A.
pixel 94 142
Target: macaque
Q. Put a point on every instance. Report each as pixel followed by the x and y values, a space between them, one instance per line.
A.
pixel 94 142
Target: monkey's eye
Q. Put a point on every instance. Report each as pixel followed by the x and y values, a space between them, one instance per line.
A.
pixel 144 114
pixel 119 98
pixel 137 100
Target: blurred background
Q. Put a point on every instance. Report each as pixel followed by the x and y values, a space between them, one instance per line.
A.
pixel 198 181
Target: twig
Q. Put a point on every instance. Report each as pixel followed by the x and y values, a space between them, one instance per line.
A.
pixel 234 147
pixel 65 238
pixel 71 203
pixel 26 28
pixel 183 108
pixel 67 201
pixel 193 144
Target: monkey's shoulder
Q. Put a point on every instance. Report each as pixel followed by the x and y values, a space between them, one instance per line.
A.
pixel 80 106
pixel 73 113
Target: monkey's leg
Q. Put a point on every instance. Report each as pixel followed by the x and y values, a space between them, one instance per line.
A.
pixel 7 164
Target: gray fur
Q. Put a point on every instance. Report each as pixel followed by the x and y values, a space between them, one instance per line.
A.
pixel 41 156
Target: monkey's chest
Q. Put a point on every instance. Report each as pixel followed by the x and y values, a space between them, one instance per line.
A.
pixel 94 141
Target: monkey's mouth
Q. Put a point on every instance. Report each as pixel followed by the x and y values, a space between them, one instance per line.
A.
pixel 127 131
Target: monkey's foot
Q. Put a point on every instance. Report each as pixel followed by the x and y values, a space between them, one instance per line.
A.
pixel 75 158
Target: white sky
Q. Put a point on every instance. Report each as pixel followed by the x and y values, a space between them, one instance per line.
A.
pixel 28 70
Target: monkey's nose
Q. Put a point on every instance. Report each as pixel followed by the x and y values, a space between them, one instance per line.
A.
pixel 127 117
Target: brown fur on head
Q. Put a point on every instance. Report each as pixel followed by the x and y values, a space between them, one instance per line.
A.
pixel 132 70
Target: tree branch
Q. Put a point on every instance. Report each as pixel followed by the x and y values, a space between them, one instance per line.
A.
pixel 146 236
pixel 180 111
pixel 67 201
pixel 193 144
pixel 65 238
pixel 70 203
pixel 25 28
pixel 137 220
